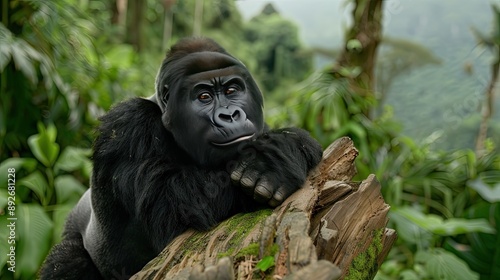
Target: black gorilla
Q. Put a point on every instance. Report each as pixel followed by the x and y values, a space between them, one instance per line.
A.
pixel 189 157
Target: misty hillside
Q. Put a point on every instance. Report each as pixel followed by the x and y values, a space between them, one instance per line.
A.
pixel 433 98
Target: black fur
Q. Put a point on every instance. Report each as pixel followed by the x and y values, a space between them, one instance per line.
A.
pixel 178 161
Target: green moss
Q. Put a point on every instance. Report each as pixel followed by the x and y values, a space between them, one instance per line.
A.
pixel 364 266
pixel 274 249
pixel 250 250
pixel 240 224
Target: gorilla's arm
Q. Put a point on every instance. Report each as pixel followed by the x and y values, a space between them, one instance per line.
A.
pixel 187 197
pixel 276 164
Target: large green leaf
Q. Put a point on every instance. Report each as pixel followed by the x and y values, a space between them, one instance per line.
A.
pixel 37 183
pixel 441 264
pixel 43 145
pixel 34 230
pixel 72 159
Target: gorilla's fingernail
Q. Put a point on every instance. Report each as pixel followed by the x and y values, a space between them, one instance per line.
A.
pixel 263 192
pixel 247 182
pixel 235 176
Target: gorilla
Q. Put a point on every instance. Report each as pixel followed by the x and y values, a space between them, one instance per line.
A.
pixel 190 156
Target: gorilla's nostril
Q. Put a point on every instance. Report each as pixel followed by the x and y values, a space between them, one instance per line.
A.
pixel 224 117
pixel 236 115
pixel 233 117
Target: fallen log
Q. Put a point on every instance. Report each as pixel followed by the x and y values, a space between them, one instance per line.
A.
pixel 332 228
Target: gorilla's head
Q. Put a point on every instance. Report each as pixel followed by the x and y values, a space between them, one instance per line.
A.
pixel 209 100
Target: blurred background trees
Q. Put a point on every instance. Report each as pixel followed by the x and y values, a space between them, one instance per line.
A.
pixel 64 63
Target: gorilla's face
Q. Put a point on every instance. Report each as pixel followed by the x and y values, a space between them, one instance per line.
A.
pixel 214 106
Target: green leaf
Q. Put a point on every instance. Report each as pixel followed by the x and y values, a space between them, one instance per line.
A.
pixel 68 189
pixel 37 183
pixel 483 251
pixel 460 226
pixel 43 145
pixel 23 61
pixel 490 194
pixel 72 159
pixel 265 263
pixel 34 230
pixel 441 264
pixel 437 225
pixel 28 164
pixel 409 231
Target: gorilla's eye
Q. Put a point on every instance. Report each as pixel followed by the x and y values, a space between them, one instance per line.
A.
pixel 205 97
pixel 231 90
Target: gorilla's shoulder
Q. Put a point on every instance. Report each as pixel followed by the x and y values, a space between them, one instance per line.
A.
pixel 133 128
pixel 134 109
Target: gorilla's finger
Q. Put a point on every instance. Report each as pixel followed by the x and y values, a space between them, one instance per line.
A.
pixel 263 191
pixel 279 196
pixel 238 172
pixel 248 180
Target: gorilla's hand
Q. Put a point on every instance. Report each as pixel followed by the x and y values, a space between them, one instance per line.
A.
pixel 276 164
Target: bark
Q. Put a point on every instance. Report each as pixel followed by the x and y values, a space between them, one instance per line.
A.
pixel 357 60
pixel 135 21
pixel 331 228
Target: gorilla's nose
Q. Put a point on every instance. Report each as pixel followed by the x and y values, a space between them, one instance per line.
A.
pixel 229 116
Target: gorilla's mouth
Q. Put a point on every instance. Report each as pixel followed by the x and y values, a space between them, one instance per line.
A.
pixel 237 140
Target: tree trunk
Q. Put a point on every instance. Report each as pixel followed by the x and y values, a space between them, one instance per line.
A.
pixel 357 60
pixel 487 111
pixel 198 17
pixel 331 228
pixel 135 18
pixel 168 22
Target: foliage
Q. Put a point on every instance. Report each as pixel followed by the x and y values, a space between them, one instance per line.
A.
pixel 430 192
pixel 52 71
pixel 47 187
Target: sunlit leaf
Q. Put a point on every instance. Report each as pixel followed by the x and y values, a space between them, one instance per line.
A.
pixel 37 183
pixel 265 263
pixel 43 145
pixel 488 193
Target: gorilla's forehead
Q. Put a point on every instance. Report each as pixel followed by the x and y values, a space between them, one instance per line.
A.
pixel 200 62
pixel 230 71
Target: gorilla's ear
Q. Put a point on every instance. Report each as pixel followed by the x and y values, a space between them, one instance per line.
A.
pixel 164 95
